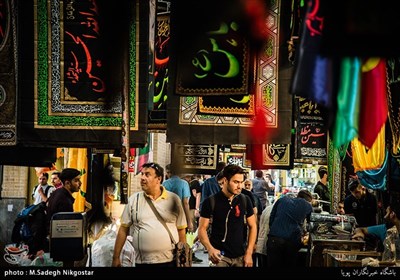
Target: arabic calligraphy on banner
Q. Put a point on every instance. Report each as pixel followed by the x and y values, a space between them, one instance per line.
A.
pixel 161 63
pixel 8 87
pixel 228 105
pixel 214 55
pixel 311 133
pixel 312 137
pixel 309 110
pixel 189 158
pixel 235 158
pixel 76 50
pixel 277 155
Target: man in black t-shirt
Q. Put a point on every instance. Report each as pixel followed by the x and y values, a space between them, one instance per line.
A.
pixel 361 204
pixel 321 188
pixel 229 209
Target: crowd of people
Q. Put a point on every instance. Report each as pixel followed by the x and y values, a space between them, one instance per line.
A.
pixel 53 199
pixel 238 220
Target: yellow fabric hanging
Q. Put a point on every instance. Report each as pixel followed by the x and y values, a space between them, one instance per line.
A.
pixel 60 152
pixel 77 158
pixel 366 159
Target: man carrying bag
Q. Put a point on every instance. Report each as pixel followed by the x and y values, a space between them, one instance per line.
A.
pixel 152 242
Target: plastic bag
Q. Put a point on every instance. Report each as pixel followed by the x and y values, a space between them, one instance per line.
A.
pixel 103 249
pixel 45 260
pixel 190 237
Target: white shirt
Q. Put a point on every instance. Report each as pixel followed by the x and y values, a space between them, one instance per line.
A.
pixel 37 198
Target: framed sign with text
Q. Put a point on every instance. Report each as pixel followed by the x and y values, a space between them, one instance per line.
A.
pixel 235 158
pixel 194 158
pixel 311 131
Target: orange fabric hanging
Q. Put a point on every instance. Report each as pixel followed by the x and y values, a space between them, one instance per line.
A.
pixel 77 158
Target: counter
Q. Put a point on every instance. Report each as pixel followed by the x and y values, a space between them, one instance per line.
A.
pixel 318 242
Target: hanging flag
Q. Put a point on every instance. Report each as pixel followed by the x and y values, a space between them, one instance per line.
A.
pixel 346 124
pixel 373 106
pixel 365 158
pixel 131 163
pixel 143 155
pixel 314 74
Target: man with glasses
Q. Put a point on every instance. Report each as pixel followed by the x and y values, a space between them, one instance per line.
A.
pixel 152 243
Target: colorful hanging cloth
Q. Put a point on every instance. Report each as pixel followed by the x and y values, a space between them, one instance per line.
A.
pixel 374 179
pixel 373 101
pixel 365 158
pixel 348 99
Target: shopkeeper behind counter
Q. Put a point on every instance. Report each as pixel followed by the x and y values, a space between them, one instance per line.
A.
pixel 383 232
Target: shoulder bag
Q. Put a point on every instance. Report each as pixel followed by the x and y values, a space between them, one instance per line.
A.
pixel 182 252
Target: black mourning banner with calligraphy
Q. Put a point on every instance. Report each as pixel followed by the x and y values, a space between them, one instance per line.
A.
pixel 312 137
pixel 200 159
pixel 231 124
pixel 8 78
pixel 278 156
pixel 161 63
pixel 211 47
pixel 81 58
pixel 235 158
pixel 311 131
pixel 273 156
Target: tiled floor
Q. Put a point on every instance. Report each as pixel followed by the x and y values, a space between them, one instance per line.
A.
pixel 203 256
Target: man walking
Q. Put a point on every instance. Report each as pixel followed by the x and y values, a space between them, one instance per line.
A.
pixel 152 243
pixel 229 209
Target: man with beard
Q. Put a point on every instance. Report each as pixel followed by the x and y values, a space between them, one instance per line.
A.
pixel 321 188
pixel 231 213
pixel 380 231
pixel 361 203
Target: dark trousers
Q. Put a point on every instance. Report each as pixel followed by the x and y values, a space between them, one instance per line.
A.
pixel 261 260
pixel 281 252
